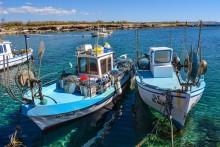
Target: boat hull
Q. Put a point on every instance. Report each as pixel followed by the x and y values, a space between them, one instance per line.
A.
pixel 95 34
pixel 16 60
pixel 46 122
pixel 182 101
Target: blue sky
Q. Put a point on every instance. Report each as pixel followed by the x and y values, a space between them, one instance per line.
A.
pixel 110 10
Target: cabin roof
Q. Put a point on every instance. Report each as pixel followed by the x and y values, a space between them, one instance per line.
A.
pixel 161 48
pixel 87 50
pixel 4 42
pixel 94 55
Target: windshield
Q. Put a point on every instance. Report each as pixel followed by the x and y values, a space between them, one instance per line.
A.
pixel 85 67
pixel 1 49
pixel 162 56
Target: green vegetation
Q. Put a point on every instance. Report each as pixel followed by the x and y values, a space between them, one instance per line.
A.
pixel 43 23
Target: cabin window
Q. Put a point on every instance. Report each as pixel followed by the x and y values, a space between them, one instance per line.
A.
pixel 103 66
pixel 1 49
pixel 106 65
pixel 5 48
pixel 109 64
pixel 162 56
pixel 93 66
pixel 85 67
pixel 82 65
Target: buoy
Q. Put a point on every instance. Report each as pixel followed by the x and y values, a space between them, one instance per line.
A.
pixel 112 79
pixel 98 50
pixel 118 88
pixel 133 81
pixel 43 102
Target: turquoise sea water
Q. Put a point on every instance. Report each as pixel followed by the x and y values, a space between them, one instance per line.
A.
pixel 129 120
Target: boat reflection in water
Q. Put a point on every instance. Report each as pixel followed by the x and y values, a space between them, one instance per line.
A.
pixel 83 131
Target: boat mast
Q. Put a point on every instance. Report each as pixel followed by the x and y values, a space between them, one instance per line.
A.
pixel 137 52
pixel 97 40
pixel 170 38
pixel 199 50
pixel 186 24
pixel 90 88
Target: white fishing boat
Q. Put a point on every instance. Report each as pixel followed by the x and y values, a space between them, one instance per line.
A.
pixel 101 32
pixel 15 57
pixel 99 78
pixel 171 86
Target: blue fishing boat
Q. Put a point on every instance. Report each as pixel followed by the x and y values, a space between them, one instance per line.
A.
pixel 98 79
pixel 169 83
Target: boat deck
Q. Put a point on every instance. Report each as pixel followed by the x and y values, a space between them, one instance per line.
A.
pixel 65 102
pixel 164 83
pixel 60 96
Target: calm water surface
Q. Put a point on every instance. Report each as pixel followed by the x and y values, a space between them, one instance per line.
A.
pixel 126 122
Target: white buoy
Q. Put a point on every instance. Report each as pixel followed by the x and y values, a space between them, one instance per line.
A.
pixel 133 82
pixel 118 88
pixel 112 79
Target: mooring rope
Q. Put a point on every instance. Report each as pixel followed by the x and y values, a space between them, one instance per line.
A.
pixel 147 136
pixel 14 139
pixel 167 108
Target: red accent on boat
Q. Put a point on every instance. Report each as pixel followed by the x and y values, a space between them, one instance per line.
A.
pixel 82 78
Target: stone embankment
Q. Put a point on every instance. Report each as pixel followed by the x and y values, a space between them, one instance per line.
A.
pixel 84 27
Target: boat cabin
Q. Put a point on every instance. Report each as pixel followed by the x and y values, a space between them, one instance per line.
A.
pixel 160 62
pixel 95 62
pixel 5 49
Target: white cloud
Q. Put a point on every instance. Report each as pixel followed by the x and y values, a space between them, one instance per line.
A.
pixel 1 3
pixel 28 3
pixel 38 11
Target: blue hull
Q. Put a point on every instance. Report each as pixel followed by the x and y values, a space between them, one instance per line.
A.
pixel 46 116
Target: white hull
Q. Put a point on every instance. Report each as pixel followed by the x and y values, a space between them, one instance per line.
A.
pixel 100 34
pixel 15 61
pixel 182 102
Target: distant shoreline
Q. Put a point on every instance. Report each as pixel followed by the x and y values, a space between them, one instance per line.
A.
pixel 14 28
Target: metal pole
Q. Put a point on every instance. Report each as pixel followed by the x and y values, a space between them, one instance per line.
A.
pixel 170 38
pixel 137 52
pixel 31 84
pixel 25 36
pixel 185 38
pixel 4 71
pixel 171 130
pixel 200 48
pixel 200 31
